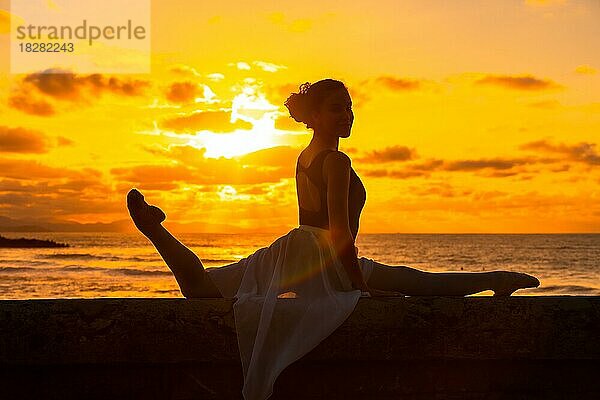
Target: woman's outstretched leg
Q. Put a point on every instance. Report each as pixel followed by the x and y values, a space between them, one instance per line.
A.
pixel 185 265
pixel 413 282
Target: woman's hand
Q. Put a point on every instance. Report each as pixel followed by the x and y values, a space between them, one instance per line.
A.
pixel 384 293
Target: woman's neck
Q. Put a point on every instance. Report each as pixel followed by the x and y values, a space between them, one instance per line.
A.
pixel 324 142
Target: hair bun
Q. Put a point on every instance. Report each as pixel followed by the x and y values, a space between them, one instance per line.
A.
pixel 304 88
pixel 297 104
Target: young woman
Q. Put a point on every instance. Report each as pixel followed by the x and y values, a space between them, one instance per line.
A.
pixel 316 263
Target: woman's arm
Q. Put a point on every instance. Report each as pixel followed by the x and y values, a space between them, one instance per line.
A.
pixel 337 175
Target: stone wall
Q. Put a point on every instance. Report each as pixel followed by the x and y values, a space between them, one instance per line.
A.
pixel 390 348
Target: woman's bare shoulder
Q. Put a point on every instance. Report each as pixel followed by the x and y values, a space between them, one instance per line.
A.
pixel 336 165
pixel 337 159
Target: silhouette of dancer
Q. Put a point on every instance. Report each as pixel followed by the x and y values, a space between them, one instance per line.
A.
pixel 316 263
pixel 325 107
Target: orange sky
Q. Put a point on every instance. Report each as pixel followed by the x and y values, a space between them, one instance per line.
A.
pixel 466 119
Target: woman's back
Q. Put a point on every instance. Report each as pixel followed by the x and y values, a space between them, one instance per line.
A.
pixel 311 188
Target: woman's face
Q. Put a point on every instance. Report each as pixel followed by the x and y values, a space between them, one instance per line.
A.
pixel 335 116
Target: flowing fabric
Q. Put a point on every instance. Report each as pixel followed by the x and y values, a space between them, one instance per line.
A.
pixel 290 296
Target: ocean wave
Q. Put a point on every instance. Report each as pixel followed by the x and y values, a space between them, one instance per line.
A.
pixel 17 269
pixel 569 289
pixel 137 272
pixel 108 289
pixel 142 259
pixel 217 260
pixel 79 256
pixel 123 271
pixel 28 263
pixel 105 257
pixel 80 268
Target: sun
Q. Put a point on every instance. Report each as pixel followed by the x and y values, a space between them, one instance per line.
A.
pixel 249 105
pixel 252 106
pixel 231 144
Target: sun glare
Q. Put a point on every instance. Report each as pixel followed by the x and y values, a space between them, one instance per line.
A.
pixel 249 105
pixel 231 144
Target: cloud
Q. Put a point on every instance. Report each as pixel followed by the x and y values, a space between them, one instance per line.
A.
pixel 552 158
pixel 421 169
pixel 428 165
pixel 63 141
pixel 33 170
pixel 585 70
pixel 215 76
pixel 546 105
pixel 67 86
pixel 23 102
pixel 186 155
pixel 215 121
pixel 124 187
pixel 254 190
pixel 389 154
pixel 398 84
pixel 241 65
pixel 268 67
pixel 396 174
pixel 35 89
pixel 189 165
pixel 279 156
pixel 194 158
pixel 69 199
pixel 561 168
pixel 475 165
pixel 154 173
pixel 583 152
pixel 20 140
pixel 287 123
pixel 439 189
pixel 526 82
pixel 278 94
pixel 182 92
pixel 359 97
pixel 215 172
pixel 490 168
pixel 76 185
pixel 182 69
pixel 500 174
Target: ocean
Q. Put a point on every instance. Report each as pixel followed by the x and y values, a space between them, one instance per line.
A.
pixel 127 265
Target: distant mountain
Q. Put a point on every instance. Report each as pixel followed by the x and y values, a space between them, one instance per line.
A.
pixel 26 225
pixel 126 225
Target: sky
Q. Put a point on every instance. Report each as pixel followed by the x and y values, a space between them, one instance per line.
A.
pixel 470 117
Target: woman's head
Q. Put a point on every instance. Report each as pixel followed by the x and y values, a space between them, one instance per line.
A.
pixel 324 106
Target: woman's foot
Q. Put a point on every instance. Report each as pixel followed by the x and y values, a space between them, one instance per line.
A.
pixel 508 282
pixel 144 216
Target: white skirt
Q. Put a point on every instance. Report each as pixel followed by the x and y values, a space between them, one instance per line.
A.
pixel 301 265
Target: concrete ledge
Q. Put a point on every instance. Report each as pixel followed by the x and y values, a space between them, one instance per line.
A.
pixel 415 348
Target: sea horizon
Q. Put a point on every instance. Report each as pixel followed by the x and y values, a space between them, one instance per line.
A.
pixel 278 231
pixel 113 264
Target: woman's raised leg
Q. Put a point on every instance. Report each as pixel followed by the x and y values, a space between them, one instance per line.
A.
pixel 186 266
pixel 414 282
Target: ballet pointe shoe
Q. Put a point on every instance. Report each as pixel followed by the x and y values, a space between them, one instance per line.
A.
pixel 144 216
pixel 509 282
